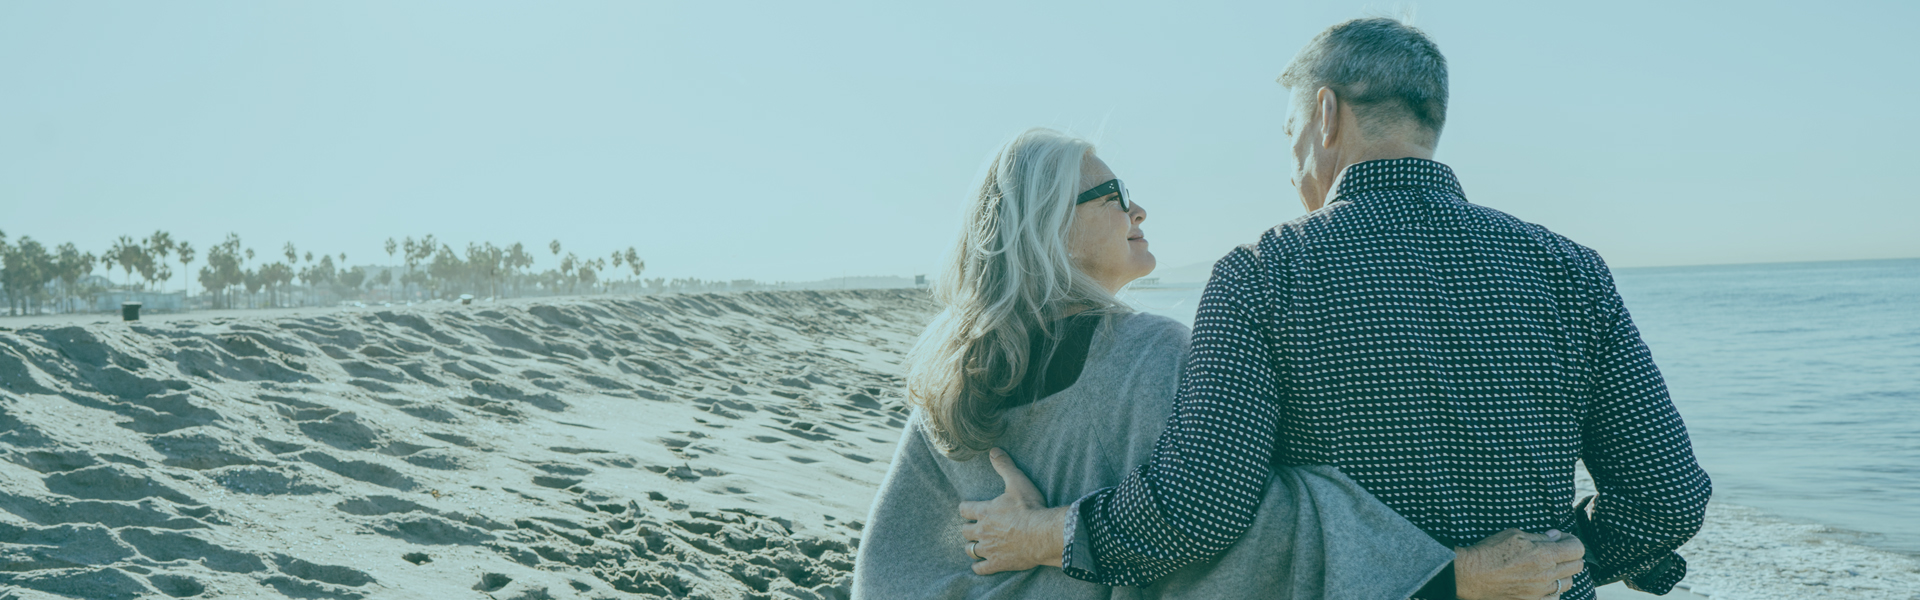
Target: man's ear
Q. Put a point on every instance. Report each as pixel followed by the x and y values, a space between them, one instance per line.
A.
pixel 1329 110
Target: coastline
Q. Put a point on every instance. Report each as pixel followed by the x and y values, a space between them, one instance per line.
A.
pixel 725 445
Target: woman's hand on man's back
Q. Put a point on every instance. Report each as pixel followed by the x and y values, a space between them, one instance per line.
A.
pixel 1516 565
pixel 1016 531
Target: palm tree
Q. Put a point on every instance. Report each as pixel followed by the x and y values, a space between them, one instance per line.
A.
pixel 70 264
pixel 159 246
pixel 28 269
pixel 130 255
pixel 107 262
pixel 391 247
pixel 617 259
pixel 223 270
pixel 185 252
pixel 634 262
pixel 518 258
pixel 246 280
pixel 411 248
pixel 567 266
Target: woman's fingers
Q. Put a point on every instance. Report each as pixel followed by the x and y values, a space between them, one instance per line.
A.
pixel 1567 570
pixel 971 510
pixel 1568 549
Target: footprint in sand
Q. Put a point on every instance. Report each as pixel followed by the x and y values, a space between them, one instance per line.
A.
pixel 492 582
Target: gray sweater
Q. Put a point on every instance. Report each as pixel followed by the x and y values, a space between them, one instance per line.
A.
pixel 1318 534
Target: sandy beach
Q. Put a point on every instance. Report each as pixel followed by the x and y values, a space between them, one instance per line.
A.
pixel 697 446
pixel 721 446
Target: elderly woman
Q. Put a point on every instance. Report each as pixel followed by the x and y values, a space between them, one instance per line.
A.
pixel 1034 354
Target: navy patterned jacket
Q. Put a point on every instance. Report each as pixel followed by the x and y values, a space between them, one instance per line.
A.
pixel 1453 360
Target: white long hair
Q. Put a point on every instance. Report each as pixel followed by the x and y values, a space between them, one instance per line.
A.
pixel 1008 276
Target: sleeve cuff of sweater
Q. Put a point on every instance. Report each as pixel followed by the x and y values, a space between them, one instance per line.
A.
pixel 1441 587
pixel 1076 557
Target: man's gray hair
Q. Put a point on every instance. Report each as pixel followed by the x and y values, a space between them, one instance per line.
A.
pixel 1387 71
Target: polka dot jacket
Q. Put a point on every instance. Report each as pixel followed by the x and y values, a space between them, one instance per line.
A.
pixel 1453 360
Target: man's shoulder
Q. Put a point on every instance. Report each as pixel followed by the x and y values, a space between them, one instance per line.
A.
pixel 1575 255
pixel 1285 241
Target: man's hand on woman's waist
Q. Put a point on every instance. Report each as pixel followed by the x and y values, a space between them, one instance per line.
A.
pixel 1016 531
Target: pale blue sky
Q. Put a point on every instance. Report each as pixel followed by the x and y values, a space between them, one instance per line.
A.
pixel 796 141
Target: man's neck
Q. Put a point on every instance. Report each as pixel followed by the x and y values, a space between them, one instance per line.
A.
pixel 1387 150
pixel 1393 150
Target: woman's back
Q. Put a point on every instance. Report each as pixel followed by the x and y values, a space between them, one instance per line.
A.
pixel 1078 440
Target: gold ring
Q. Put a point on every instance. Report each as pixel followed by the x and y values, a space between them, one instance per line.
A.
pixel 970 552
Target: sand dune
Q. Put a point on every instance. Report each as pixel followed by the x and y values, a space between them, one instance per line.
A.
pixel 711 446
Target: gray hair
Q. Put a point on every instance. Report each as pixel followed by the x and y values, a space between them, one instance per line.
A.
pixel 1388 72
pixel 1007 277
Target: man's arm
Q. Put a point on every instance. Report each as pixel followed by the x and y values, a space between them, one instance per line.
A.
pixel 1199 491
pixel 1653 495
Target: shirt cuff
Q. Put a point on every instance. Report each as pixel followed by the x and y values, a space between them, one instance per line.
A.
pixel 1660 579
pixel 1076 556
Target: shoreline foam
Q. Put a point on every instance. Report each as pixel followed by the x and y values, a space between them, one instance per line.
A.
pixel 1743 553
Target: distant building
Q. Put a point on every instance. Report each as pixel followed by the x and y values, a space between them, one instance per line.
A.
pixel 149 301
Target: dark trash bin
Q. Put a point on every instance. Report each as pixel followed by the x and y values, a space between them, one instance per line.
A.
pixel 130 311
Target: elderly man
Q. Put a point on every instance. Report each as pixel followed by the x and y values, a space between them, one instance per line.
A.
pixel 1451 359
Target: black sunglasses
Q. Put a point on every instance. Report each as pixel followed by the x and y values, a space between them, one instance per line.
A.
pixel 1112 186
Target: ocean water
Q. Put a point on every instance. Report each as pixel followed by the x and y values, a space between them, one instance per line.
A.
pixel 1799 382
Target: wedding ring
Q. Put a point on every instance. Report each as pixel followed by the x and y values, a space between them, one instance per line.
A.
pixel 970 546
pixel 1558 586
